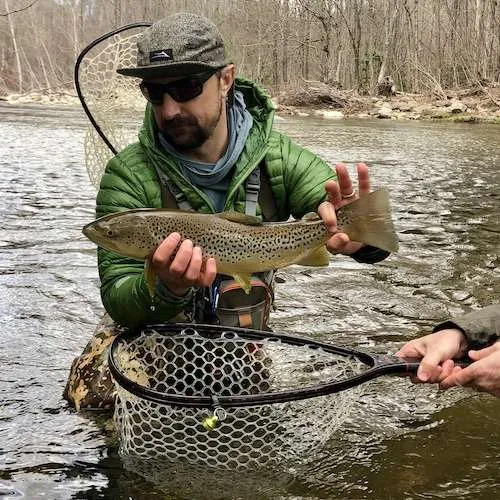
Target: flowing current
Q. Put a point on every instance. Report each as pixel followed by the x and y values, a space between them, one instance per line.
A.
pixel 401 441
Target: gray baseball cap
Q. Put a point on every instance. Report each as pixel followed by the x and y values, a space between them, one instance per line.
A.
pixel 181 44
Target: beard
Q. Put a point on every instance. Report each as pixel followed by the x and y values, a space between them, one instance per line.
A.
pixel 186 133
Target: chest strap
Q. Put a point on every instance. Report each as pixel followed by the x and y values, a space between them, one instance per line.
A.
pixel 257 187
pixel 252 191
pixel 172 196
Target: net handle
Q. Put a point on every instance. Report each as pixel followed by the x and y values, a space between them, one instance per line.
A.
pixel 79 60
pixel 378 365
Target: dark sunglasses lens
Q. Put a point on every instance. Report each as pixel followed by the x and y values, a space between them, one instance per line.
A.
pixel 181 90
pixel 153 93
pixel 185 90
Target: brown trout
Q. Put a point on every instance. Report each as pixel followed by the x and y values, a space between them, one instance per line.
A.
pixel 240 244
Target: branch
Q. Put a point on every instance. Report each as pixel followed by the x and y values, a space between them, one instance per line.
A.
pixel 19 10
pixel 488 93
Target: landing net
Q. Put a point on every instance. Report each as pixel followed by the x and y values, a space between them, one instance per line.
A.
pixel 226 398
pixel 113 102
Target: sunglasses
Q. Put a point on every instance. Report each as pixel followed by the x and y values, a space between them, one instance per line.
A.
pixel 180 90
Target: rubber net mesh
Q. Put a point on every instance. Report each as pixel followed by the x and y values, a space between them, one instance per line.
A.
pixel 114 101
pixel 190 364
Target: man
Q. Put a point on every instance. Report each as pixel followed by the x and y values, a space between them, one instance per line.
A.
pixel 207 144
pixel 202 139
pixel 476 334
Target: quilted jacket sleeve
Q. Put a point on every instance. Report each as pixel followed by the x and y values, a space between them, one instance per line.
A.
pixel 129 183
pixel 297 176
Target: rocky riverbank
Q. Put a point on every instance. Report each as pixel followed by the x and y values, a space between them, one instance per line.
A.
pixel 475 105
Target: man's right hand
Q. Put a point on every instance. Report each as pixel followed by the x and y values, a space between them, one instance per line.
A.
pixel 436 352
pixel 179 266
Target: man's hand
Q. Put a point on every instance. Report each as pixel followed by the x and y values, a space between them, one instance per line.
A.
pixel 342 193
pixel 436 352
pixel 180 265
pixel 482 375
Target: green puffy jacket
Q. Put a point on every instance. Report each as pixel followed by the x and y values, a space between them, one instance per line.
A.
pixel 296 176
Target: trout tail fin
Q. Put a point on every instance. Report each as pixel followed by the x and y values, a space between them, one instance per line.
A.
pixel 368 220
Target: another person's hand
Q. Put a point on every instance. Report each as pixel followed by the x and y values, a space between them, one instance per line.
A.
pixel 180 267
pixel 436 352
pixel 342 193
pixel 483 374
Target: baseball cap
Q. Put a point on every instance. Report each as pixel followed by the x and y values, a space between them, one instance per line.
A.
pixel 181 44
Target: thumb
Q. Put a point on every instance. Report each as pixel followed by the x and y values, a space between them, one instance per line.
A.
pixel 482 353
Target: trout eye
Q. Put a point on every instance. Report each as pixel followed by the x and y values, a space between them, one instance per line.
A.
pixel 110 233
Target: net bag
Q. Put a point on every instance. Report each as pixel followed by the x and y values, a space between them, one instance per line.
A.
pixel 229 398
pixel 113 102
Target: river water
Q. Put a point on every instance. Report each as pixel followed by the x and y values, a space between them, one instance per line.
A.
pixel 400 441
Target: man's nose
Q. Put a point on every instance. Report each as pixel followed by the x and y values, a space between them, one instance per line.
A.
pixel 169 108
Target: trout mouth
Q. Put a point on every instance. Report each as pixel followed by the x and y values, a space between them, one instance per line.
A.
pixel 91 233
pixel 94 234
pixel 105 236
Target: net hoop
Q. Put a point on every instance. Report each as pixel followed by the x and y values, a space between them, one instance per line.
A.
pixel 215 331
pixel 112 102
pixel 78 63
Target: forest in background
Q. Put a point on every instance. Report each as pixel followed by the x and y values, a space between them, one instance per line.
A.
pixel 422 46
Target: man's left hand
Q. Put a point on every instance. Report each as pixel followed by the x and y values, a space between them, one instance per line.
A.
pixel 342 193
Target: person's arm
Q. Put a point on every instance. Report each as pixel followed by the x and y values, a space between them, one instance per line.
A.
pixel 129 183
pixel 481 327
pixel 451 339
pixel 482 330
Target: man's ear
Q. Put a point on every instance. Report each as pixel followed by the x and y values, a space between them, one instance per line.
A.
pixel 227 82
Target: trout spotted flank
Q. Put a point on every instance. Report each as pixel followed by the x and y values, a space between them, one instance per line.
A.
pixel 240 244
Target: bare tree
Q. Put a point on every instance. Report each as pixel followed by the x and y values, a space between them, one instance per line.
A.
pixel 10 20
pixel 424 45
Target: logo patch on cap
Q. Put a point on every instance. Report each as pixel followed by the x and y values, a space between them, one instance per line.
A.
pixel 161 55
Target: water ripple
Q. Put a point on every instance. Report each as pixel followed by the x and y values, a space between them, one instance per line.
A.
pixel 443 182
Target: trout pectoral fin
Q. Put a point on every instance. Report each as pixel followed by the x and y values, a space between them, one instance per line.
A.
pixel 150 276
pixel 244 280
pixel 368 220
pixel 318 257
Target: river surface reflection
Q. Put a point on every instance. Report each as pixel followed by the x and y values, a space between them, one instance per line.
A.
pixel 400 441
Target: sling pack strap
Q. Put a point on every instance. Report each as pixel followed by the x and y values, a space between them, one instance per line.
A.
pixel 172 196
pixel 258 189
pixel 267 202
pixel 252 191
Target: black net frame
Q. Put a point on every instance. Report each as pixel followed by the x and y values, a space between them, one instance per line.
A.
pixel 78 64
pixel 376 365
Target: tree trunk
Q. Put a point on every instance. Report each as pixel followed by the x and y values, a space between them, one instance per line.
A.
pixel 10 20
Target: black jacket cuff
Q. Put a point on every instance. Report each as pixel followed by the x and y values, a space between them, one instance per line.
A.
pixel 370 255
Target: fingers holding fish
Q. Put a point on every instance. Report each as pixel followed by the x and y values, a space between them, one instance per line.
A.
pixel 196 273
pixel 341 243
pixel 326 210
pixel 343 192
pixel 166 250
pixel 208 273
pixel 178 264
pixel 346 191
pixel 364 186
